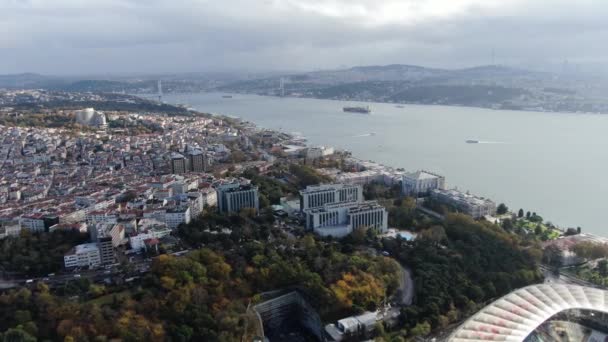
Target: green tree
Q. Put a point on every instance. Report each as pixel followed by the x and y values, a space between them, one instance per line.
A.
pixel 502 209
pixel 520 213
pixel 602 268
pixel 421 329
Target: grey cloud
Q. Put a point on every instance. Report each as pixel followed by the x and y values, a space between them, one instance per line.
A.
pixel 87 36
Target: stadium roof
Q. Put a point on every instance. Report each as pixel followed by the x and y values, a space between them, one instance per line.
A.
pixel 516 315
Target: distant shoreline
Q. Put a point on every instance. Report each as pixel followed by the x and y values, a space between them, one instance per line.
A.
pixel 220 93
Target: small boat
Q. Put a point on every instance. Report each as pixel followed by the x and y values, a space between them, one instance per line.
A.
pixel 361 110
pixel 227 96
pixel 472 141
pixel 400 106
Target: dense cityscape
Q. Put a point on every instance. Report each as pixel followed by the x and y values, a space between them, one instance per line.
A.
pixel 303 171
pixel 192 226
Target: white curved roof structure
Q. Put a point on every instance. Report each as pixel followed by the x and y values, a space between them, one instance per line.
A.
pixel 516 315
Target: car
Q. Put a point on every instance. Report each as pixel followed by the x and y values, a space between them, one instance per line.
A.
pixel 29 281
pixel 76 275
pixel 385 253
pixel 46 279
pixel 51 275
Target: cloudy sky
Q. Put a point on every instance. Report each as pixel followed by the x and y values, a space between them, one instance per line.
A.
pixel 115 36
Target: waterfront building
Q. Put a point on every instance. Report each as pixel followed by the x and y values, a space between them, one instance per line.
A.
pixel 319 195
pixel 341 219
pixel 235 196
pixel 469 204
pixel 85 255
pixel 420 183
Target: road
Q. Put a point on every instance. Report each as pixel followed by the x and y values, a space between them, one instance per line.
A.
pixel 562 278
pixel 405 294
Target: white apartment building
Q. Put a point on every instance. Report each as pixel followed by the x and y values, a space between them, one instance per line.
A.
pixel 33 223
pixel 176 216
pixel 85 255
pixel 317 196
pixel 319 151
pixel 94 217
pixel 469 204
pixel 420 183
pixel 137 242
pixel 339 220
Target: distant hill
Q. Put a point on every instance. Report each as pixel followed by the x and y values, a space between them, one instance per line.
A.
pixel 492 86
pixel 26 80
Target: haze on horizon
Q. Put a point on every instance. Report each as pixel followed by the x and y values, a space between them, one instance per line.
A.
pixel 153 36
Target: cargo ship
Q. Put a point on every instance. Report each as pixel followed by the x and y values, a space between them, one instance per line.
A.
pixel 361 110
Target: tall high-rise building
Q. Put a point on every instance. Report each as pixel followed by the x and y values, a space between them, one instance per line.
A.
pixel 233 197
pixel 179 164
pixel 198 161
pixel 106 250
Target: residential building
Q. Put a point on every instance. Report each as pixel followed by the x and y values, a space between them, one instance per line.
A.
pixel 137 241
pixel 9 228
pixel 233 197
pixel 469 204
pixel 420 183
pixel 197 161
pixel 176 216
pixel 106 250
pixel 179 164
pixel 316 196
pixel 85 255
pixel 94 217
pixel 318 152
pixel 33 222
pixel 209 197
pixel 341 219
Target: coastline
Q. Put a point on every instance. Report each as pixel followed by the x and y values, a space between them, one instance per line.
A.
pixel 532 110
pixel 292 135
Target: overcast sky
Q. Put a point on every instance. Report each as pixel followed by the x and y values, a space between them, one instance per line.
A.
pixel 114 36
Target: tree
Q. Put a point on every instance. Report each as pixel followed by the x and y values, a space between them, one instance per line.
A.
pixel 553 256
pixel 602 268
pixel 528 215
pixel 538 230
pixel 421 329
pixel 507 224
pixel 520 213
pixel 502 209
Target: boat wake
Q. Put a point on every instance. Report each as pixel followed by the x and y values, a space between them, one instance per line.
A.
pixel 484 142
pixel 365 135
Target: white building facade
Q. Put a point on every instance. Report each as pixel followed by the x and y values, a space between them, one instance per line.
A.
pixel 339 220
pixel 319 195
pixel 420 183
pixel 85 255
pixel 469 204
